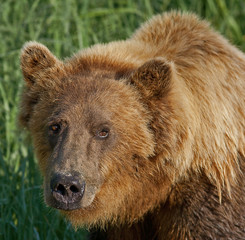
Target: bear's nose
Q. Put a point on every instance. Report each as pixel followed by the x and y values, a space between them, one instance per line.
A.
pixel 67 191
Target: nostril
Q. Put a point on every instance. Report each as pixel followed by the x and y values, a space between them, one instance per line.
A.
pixel 61 189
pixel 74 189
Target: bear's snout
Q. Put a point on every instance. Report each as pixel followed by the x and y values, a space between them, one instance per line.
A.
pixel 67 191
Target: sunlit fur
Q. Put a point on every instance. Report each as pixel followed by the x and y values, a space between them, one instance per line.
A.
pixel 181 88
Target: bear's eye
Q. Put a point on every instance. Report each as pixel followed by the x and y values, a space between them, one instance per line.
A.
pixel 104 133
pixel 54 128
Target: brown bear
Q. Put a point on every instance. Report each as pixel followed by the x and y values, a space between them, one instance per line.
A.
pixel 143 138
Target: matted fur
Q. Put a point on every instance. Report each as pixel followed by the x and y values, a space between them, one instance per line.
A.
pixel 174 94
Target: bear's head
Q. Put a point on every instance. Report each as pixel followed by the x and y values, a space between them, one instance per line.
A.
pixel 104 132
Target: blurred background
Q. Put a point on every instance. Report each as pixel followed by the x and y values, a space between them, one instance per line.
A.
pixel 65 27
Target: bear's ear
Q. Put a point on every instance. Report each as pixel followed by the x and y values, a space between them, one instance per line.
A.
pixel 36 60
pixel 153 79
pixel 41 69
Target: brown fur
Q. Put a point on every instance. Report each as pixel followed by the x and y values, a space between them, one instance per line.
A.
pixel 173 98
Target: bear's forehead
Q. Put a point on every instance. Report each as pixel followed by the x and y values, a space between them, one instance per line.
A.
pixel 92 88
pixel 76 89
pixel 84 98
pixel 92 99
pixel 86 112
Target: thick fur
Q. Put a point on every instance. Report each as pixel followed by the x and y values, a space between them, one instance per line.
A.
pixel 174 96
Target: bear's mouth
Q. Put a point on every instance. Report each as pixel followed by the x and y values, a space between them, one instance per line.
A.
pixel 66 206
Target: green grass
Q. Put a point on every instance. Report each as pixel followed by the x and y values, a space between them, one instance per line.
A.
pixel 65 27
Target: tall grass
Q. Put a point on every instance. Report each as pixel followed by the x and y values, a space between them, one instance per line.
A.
pixel 66 26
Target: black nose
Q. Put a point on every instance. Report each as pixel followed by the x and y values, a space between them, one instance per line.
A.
pixel 67 191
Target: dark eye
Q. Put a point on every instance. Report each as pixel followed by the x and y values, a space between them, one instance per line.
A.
pixel 54 128
pixel 104 133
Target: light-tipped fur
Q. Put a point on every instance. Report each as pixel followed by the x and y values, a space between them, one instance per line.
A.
pixel 174 94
